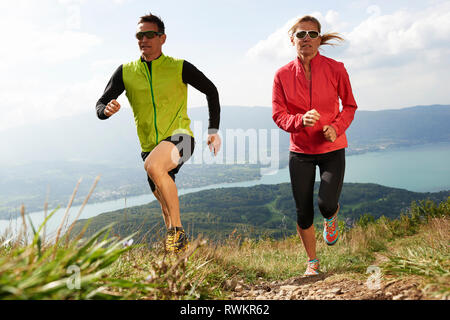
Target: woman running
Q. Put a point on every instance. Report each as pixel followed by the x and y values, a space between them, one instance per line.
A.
pixel 305 102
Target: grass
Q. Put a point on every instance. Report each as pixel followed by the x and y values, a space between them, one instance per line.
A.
pixel 426 254
pixel 70 267
pixel 33 269
pixel 102 267
pixel 415 244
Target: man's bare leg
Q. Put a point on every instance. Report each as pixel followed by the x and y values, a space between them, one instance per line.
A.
pixel 164 209
pixel 160 161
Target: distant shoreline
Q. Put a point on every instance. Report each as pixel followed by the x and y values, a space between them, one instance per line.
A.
pixel 207 184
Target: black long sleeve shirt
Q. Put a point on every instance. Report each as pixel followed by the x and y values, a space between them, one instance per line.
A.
pixel 190 75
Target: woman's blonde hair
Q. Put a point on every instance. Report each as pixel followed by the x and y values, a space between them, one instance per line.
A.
pixel 325 38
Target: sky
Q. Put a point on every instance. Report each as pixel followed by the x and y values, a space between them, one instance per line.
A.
pixel 56 56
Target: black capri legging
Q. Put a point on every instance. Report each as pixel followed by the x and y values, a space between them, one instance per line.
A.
pixel 302 169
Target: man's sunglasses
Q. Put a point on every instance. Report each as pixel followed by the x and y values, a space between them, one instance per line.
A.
pixel 148 34
pixel 302 34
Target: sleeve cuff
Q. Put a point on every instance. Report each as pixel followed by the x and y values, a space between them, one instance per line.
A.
pixel 335 127
pixel 299 120
pixel 103 116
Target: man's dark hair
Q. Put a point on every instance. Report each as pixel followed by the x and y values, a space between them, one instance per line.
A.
pixel 153 19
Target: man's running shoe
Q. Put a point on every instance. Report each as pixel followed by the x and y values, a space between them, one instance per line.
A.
pixel 331 230
pixel 170 236
pixel 313 268
pixel 176 240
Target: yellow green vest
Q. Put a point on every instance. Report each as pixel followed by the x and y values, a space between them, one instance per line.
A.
pixel 158 97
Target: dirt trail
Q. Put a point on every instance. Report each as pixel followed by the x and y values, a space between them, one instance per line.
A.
pixel 329 287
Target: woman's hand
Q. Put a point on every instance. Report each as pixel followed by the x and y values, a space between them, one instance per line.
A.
pixel 310 118
pixel 329 133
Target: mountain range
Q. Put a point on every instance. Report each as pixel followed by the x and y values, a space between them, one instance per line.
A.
pixel 85 138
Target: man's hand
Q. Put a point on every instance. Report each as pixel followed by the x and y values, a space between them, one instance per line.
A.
pixel 214 143
pixel 310 118
pixel 112 107
pixel 329 133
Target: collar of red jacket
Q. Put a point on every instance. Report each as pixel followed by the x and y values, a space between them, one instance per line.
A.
pixel 314 61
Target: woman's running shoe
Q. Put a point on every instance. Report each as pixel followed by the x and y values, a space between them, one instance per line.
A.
pixel 331 230
pixel 313 268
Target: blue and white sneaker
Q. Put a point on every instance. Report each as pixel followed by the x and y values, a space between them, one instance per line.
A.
pixel 313 268
pixel 331 230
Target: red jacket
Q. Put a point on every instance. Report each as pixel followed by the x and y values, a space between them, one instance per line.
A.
pixel 293 95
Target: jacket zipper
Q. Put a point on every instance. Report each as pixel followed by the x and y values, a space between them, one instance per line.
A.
pixel 310 86
pixel 150 77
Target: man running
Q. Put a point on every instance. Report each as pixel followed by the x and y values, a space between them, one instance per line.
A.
pixel 156 87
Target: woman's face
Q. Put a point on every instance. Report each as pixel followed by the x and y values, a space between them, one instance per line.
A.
pixel 306 47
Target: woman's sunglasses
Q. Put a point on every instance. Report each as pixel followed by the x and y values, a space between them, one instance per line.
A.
pixel 302 34
pixel 148 34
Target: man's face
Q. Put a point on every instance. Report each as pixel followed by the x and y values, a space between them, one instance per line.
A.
pixel 306 46
pixel 150 47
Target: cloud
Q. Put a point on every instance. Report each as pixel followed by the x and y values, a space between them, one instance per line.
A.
pixel 40 39
pixel 43 101
pixel 395 59
pixel 380 38
pixel 119 2
pixel 277 46
pixel 43 31
pixel 403 33
pixel 402 58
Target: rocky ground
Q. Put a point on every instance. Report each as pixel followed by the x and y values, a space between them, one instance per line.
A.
pixel 329 287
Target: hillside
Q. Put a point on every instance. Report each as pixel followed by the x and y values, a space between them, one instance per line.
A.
pixel 262 210
pixel 403 127
pixel 407 258
pixel 32 184
pixel 400 259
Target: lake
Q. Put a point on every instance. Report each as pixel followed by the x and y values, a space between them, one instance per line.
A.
pixel 421 168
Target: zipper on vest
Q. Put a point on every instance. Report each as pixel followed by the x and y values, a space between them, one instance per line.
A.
pixel 150 78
